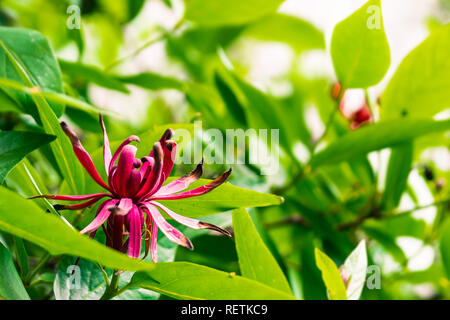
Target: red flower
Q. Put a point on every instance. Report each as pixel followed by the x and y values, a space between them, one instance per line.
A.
pixel 357 118
pixel 133 188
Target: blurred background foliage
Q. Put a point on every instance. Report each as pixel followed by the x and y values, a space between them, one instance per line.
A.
pixel 256 68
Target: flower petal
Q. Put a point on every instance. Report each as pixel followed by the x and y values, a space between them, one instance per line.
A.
pixel 124 168
pixel 170 153
pixel 111 180
pixel 77 206
pixel 153 179
pixel 147 166
pixel 171 233
pixel 102 214
pixel 106 148
pixel 181 183
pixel 166 136
pixel 83 156
pixel 134 182
pixel 120 148
pixel 134 222
pixel 197 191
pixel 72 198
pixel 189 222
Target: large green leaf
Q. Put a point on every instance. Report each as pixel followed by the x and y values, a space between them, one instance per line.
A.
pixel 15 145
pixel 331 276
pixel 420 85
pixel 92 74
pixel 255 260
pixel 445 247
pixel 375 137
pixel 182 280
pixel 36 55
pixel 152 81
pixel 62 148
pixel 25 219
pixel 359 47
pixel 228 12
pixel 224 198
pixel 11 287
pixel 398 170
pixel 299 34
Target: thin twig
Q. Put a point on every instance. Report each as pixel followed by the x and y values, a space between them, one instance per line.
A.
pixel 135 52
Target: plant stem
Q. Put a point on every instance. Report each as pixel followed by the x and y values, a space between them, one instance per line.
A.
pixel 40 265
pixel 105 275
pixel 111 290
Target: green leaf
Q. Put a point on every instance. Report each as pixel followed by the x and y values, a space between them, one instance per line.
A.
pixel 228 12
pixel 375 137
pixel 420 85
pixel 182 280
pixel 444 245
pixel 25 219
pixel 356 267
pixel 152 81
pixel 331 276
pixel 11 287
pixel 299 34
pixel 37 57
pixel 62 148
pixel 359 47
pixel 224 198
pixel 399 166
pixel 92 74
pixel 255 260
pixel 15 145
